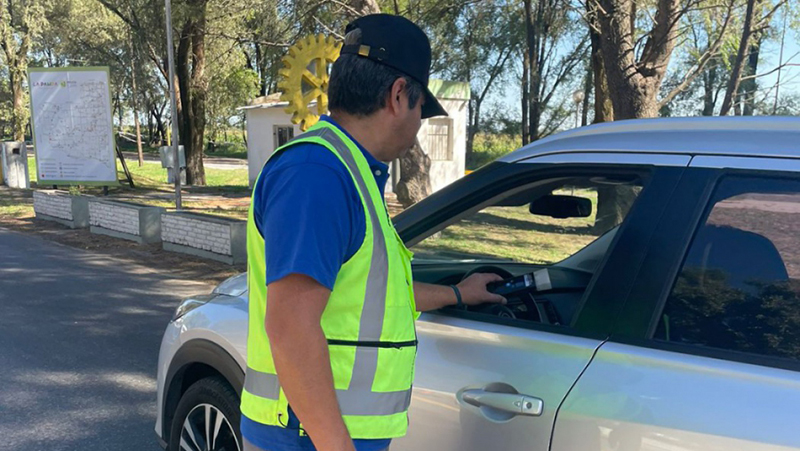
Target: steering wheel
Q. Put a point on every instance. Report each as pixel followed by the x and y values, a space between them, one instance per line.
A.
pixel 490 269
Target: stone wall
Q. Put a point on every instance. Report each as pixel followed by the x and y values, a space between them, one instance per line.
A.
pixel 207 236
pixel 59 206
pixel 114 217
pixel 53 203
pixel 140 223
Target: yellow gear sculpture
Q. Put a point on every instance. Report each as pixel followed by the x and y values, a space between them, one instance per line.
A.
pixel 304 78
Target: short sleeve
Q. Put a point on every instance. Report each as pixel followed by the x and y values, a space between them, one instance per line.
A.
pixel 307 216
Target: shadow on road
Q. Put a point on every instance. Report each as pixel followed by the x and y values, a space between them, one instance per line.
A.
pixel 80 335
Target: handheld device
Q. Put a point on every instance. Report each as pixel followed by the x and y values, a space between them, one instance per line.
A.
pixel 513 285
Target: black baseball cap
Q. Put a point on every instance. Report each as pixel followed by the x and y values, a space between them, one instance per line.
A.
pixel 397 42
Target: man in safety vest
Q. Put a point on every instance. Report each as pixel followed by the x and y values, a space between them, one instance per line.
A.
pixel 331 342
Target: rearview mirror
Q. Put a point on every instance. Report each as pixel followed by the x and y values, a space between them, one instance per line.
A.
pixel 562 207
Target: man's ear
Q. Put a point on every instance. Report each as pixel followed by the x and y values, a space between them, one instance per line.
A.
pixel 398 96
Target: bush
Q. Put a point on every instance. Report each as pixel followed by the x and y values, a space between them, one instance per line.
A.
pixel 489 147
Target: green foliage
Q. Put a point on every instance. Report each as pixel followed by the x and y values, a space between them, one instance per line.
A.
pixel 231 86
pixel 489 147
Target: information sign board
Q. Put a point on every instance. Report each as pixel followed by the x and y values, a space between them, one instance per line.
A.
pixel 73 136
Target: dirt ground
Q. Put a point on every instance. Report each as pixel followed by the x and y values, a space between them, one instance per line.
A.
pixel 180 266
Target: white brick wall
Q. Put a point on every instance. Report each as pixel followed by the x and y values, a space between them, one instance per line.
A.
pixel 196 233
pixel 114 217
pixel 57 205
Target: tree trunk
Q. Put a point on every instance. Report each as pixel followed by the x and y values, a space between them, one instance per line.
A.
pixel 533 30
pixel 709 88
pixel 526 131
pixel 262 71
pixel 603 108
pixel 244 131
pixel 134 93
pixel 120 111
pixel 414 184
pixel 182 74
pixel 750 86
pixel 613 204
pixel 588 82
pixel 738 65
pixel 192 93
pixel 195 172
pixel 161 130
pixel 634 85
pixel 150 128
pixel 19 114
pixel 470 130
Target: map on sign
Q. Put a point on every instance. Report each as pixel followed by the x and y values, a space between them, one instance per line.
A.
pixel 72 126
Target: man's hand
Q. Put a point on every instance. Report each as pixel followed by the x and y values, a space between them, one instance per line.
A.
pixel 473 289
pixel 473 292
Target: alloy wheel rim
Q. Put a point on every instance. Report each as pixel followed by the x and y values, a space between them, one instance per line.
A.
pixel 207 429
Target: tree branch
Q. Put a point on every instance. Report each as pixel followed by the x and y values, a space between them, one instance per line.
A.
pixel 784 65
pixel 712 51
pixel 764 21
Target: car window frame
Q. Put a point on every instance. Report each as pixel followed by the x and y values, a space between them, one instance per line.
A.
pixel 601 303
pixel 687 212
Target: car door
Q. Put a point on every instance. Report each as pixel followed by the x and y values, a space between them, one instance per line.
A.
pixel 706 355
pixel 485 380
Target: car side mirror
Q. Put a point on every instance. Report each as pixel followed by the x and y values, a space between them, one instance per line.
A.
pixel 562 207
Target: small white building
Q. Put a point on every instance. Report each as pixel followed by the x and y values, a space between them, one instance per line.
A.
pixel 444 139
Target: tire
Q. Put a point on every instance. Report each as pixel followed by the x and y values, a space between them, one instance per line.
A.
pixel 210 398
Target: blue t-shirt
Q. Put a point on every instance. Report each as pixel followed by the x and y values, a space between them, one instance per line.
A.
pixel 308 210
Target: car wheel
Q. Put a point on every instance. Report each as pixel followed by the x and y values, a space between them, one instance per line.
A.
pixel 207 418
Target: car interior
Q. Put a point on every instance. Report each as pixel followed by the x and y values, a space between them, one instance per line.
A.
pixel 541 293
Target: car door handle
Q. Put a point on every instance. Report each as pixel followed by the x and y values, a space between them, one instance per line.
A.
pixel 514 403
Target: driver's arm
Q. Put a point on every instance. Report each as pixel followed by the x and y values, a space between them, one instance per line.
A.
pixel 473 291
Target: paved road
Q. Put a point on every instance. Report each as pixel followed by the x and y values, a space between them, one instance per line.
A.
pixel 79 339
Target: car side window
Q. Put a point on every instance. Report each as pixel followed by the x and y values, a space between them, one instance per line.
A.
pixel 556 232
pixel 542 225
pixel 739 287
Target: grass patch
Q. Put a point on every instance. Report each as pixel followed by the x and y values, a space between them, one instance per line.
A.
pixel 221 150
pixel 16 204
pixel 152 189
pixel 512 233
pixel 151 176
pixel 228 150
pixel 127 146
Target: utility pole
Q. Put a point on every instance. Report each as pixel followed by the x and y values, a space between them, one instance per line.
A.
pixel 174 104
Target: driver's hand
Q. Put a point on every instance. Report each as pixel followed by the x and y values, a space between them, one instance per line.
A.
pixel 473 289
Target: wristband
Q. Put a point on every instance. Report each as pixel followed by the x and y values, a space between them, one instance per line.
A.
pixel 459 301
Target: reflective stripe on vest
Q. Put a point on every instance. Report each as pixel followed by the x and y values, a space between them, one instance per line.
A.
pixel 351 402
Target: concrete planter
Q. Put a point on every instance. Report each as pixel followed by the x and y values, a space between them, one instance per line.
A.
pixel 126 220
pixel 59 206
pixel 206 236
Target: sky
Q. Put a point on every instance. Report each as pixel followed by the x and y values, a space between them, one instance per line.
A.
pixel 509 97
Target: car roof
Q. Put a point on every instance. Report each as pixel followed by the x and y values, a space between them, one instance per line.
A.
pixel 764 136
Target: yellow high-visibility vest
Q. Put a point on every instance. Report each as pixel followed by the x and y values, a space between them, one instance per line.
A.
pixel 368 321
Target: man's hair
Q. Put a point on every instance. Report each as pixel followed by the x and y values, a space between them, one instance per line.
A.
pixel 358 86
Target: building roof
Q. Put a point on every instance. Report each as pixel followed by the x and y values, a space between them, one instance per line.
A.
pixel 449 90
pixel 736 136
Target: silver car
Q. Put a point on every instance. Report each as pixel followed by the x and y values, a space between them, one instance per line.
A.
pixel 652 270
